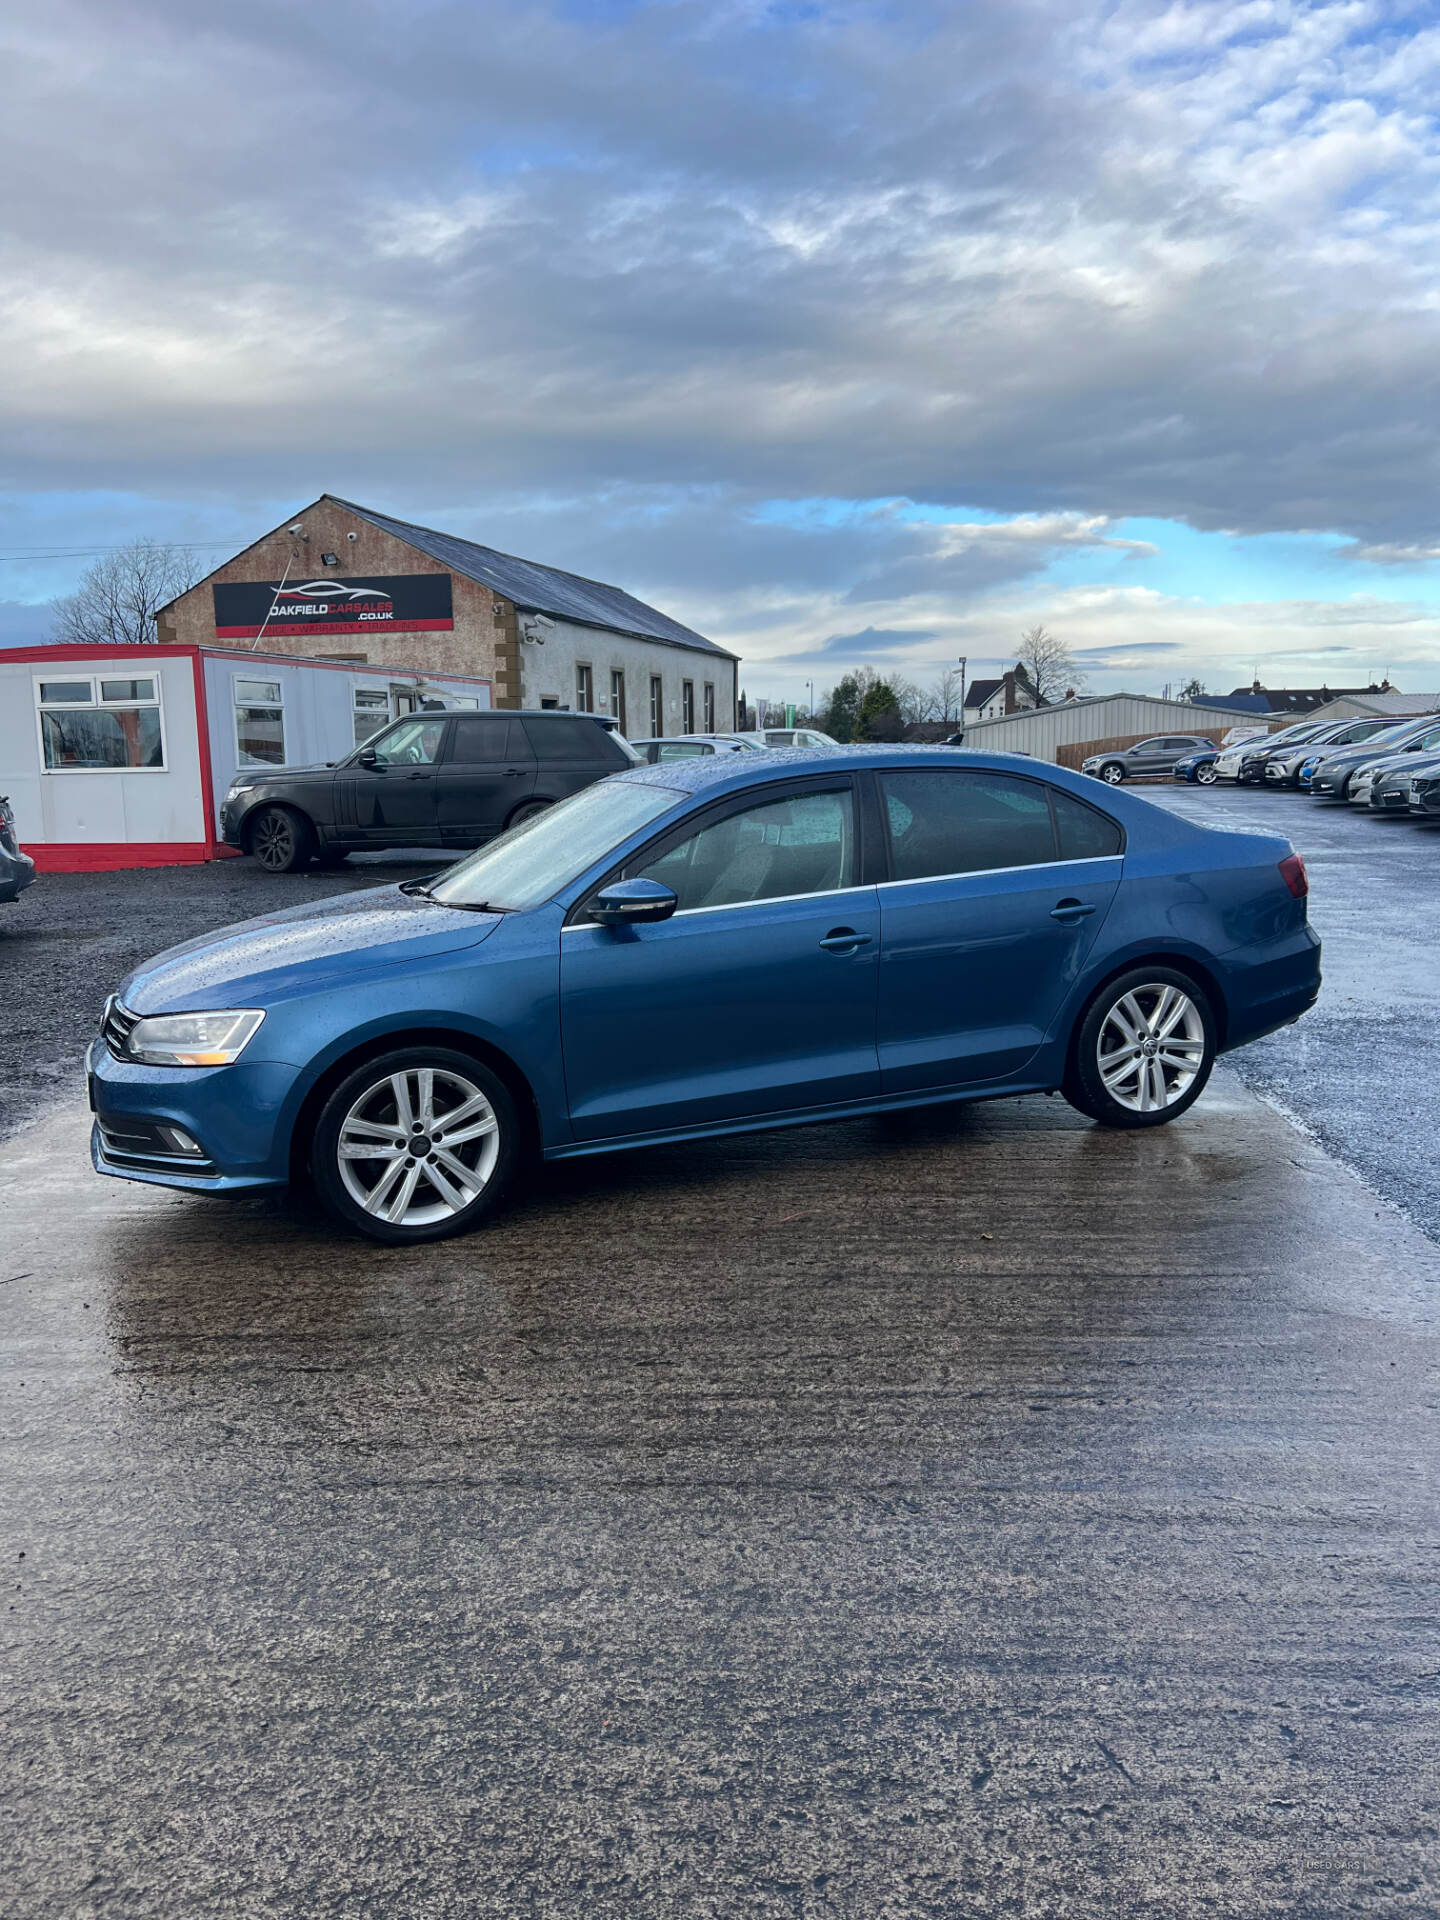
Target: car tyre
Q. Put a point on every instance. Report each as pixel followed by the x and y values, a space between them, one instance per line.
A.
pixel 1112 773
pixel 280 839
pixel 1206 776
pixel 1143 1049
pixel 527 810
pixel 416 1145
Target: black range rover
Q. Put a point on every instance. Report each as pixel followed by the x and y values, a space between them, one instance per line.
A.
pixel 430 780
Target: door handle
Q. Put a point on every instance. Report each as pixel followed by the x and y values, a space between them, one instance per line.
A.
pixel 514 773
pixel 1069 910
pixel 417 776
pixel 844 940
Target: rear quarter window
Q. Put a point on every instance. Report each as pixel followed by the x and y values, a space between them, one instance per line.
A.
pixel 571 741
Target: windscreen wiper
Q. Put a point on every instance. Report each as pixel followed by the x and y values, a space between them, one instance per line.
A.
pixel 420 887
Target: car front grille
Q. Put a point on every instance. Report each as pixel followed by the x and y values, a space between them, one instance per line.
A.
pixel 117 1023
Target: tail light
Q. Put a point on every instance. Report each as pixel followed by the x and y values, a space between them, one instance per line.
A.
pixel 1292 872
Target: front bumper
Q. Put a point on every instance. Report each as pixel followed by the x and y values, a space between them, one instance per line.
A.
pixel 17 871
pixel 232 1113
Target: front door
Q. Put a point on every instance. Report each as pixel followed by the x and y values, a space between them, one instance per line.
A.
pixel 756 996
pixel 392 804
pixel 488 771
pixel 1000 885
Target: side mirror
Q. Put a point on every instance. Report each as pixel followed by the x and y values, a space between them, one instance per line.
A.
pixel 367 757
pixel 632 903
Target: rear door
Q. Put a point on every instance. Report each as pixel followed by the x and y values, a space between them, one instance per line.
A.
pixel 571 753
pixel 999 885
pixel 488 771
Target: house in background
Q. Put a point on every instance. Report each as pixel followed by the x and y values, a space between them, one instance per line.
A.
pixel 341 582
pixel 1298 703
pixel 1013 692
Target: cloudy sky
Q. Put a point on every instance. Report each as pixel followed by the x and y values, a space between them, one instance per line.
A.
pixel 843 332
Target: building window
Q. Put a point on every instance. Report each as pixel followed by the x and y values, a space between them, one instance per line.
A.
pixel 372 711
pixel 617 701
pixel 584 690
pixel 104 726
pixel 687 706
pixel 549 702
pixel 709 706
pixel 259 723
pixel 657 707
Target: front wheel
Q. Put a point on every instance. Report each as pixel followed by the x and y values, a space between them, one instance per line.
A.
pixel 1143 1051
pixel 281 839
pixel 1112 773
pixel 415 1145
pixel 1206 776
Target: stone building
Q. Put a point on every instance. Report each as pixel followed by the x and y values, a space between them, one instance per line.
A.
pixel 338 581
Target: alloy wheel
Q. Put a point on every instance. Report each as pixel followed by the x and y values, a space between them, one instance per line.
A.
pixel 1207 776
pixel 273 841
pixel 1112 775
pixel 418 1146
pixel 1150 1048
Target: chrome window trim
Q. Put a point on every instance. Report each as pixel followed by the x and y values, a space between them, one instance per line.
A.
pixel 980 873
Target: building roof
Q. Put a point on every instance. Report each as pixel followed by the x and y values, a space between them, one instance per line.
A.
pixel 979 691
pixel 1029 715
pixel 1237 702
pixel 539 589
pixel 1393 703
pixel 1302 701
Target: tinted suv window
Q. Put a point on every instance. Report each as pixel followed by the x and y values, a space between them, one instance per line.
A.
pixel 1083 833
pixel 569 738
pixel 965 822
pixel 804 844
pixel 487 737
pixel 413 743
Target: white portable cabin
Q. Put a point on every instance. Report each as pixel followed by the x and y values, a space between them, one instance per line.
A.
pixel 118 756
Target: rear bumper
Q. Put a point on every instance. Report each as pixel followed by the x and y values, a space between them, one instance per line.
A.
pixel 17 871
pixel 1272 989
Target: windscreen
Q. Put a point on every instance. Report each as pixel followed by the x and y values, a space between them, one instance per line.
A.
pixel 534 860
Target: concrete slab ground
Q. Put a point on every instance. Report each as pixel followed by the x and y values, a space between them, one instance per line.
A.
pixel 957 1514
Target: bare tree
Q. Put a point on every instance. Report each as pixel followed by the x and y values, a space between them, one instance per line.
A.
pixel 914 703
pixel 1050 666
pixel 945 695
pixel 120 595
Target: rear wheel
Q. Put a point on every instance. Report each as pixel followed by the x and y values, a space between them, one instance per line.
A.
pixel 281 839
pixel 1143 1051
pixel 527 810
pixel 415 1145
pixel 1112 773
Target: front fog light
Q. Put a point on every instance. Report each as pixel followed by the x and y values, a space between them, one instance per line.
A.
pixel 179 1141
pixel 193 1039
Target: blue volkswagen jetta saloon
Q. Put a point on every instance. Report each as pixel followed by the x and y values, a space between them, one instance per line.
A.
pixel 703 947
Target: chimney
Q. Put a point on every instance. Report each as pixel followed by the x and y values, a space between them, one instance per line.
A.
pixel 1069 693
pixel 1255 687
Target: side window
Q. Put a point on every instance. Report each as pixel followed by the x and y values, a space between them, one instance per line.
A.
pixel 487 738
pixel 571 741
pixel 1083 833
pixel 943 823
pixel 682 750
pixel 802 844
pixel 1149 746
pixel 414 743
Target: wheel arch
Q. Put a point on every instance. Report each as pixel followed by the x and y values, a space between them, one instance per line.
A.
pixel 246 824
pixel 1204 977
pixel 483 1051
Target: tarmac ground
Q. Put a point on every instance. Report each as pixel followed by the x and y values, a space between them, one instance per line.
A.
pixel 963 1513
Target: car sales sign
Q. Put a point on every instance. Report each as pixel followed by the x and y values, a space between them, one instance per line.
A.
pixel 399 602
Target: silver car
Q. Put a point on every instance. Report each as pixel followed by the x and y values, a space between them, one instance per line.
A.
pixel 17 869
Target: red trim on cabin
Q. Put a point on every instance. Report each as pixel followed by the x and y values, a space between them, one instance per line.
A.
pixel 113 856
pixel 202 735
pixel 114 649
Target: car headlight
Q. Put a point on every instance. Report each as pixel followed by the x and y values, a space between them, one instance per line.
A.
pixel 193 1039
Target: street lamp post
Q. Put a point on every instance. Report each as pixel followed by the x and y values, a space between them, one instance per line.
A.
pixel 964 662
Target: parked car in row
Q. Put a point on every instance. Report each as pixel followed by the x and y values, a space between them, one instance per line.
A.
pixel 1244 763
pixel 1392 781
pixel 787 737
pixel 704 946
pixel 1285 767
pixel 17 869
pixel 1146 759
pixel 692 746
pixel 1198 768
pixel 430 780
pixel 1425 792
pixel 1335 774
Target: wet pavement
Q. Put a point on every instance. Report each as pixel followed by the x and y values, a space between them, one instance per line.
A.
pixel 962 1513
pixel 1363 1069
